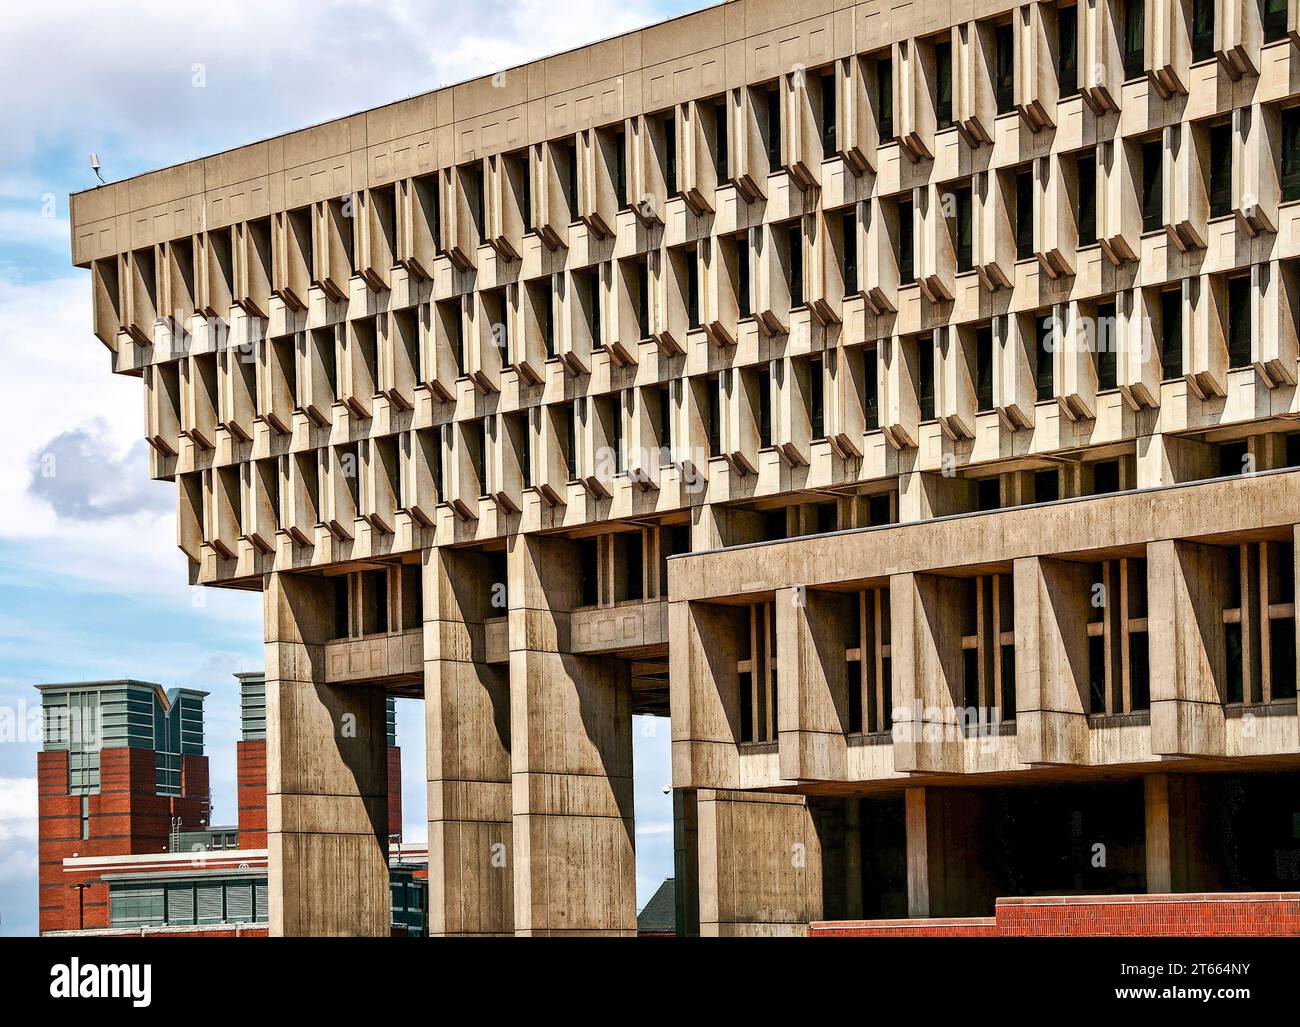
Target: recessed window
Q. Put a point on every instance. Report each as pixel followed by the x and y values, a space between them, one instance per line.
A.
pixel 1239 321
pixel 1202 29
pixel 1274 20
pixel 984 367
pixel 1291 154
pixel 925 376
pixel 963 241
pixel 885 98
pixel 1086 202
pixel 906 262
pixel 1004 68
pixel 1152 185
pixel 1171 334
pixel 1067 51
pixel 1220 147
pixel 1044 380
pixel 1024 215
pixel 828 115
pixel 1134 39
pixel 1107 339
pixel 943 84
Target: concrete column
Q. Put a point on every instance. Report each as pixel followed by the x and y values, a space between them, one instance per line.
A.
pixel 945 866
pixel 571 758
pixel 327 776
pixel 467 724
pixel 813 630
pixel 686 862
pixel 705 696
pixel 1052 604
pixel 925 625
pixel 1174 857
pixel 760 864
pixel 1188 584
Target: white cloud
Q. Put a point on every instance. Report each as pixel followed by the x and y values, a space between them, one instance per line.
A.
pixel 17 809
pixel 169 82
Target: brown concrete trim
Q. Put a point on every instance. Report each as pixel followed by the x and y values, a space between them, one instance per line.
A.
pixel 1188 510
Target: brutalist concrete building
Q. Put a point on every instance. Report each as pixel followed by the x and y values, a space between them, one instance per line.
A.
pixel 899 396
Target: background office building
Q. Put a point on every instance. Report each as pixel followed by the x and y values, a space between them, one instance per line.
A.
pixel 126 841
pixel 900 397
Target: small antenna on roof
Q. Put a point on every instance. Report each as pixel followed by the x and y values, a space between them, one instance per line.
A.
pixel 94 166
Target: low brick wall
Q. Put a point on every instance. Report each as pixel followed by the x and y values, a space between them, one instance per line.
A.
pixel 930 927
pixel 1220 914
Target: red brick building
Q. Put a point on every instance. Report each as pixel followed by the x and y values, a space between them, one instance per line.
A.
pixel 126 841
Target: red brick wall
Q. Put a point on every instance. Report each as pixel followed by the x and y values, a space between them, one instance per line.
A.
pixel 394 791
pixel 250 758
pixel 1261 914
pixel 933 927
pixel 1265 914
pixel 126 817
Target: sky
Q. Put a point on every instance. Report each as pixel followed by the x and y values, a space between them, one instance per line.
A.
pixel 92 585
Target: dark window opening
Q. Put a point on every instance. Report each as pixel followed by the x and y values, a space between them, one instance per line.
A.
pixel 1274 20
pixel 906 258
pixel 1202 30
pixel 871 390
pixel 1044 346
pixel 1152 185
pixel 925 376
pixel 1005 69
pixel 1220 170
pixel 1105 477
pixel 1291 154
pixel 765 409
pixel 1107 338
pixel 1171 334
pixel 849 234
pixel 1134 42
pixel 828 112
pixel 943 84
pixel 794 250
pixel 885 99
pixel 1025 213
pixel 773 126
pixel 1239 348
pixel 965 246
pixel 1087 202
pixel 988 493
pixel 1067 56
pixel 817 399
pixel 1047 486
pixel 984 368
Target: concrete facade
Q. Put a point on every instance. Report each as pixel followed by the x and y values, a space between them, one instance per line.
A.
pixel 899 397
